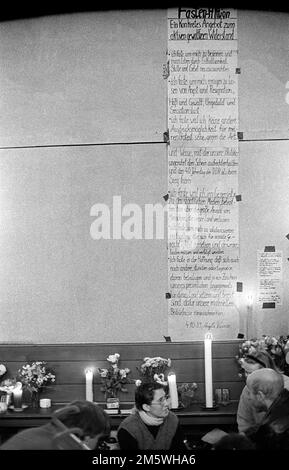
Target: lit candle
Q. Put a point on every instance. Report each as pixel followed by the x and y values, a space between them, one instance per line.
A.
pixel 208 370
pixel 88 387
pixel 17 396
pixel 173 390
pixel 249 329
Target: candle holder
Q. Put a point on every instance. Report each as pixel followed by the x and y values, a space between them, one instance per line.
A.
pixel 23 407
pixel 210 408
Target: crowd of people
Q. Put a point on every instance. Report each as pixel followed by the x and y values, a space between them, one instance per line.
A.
pixel 262 419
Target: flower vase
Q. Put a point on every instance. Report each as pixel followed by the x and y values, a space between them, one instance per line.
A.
pixel 8 398
pixel 186 400
pixel 112 402
pixel 35 399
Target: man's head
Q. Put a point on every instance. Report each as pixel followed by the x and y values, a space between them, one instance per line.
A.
pixel 264 385
pixel 90 418
pixel 152 398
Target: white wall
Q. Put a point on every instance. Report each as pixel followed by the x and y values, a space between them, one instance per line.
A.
pixel 83 111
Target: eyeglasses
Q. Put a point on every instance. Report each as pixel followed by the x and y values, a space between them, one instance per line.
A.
pixel 161 401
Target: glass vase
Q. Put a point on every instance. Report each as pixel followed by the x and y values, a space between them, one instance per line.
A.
pixel 112 403
pixel 186 400
pixel 35 399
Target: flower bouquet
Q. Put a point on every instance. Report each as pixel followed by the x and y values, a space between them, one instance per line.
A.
pixel 186 392
pixel 3 370
pixel 153 369
pixel 6 389
pixel 34 376
pixel 113 378
pixel 6 386
pixel 276 347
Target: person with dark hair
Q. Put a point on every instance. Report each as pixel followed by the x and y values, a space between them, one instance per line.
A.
pixel 267 393
pixel 151 426
pixel 234 441
pixel 249 417
pixel 75 426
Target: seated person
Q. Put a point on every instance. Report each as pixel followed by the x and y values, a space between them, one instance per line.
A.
pixel 85 420
pixel 267 393
pixel 151 426
pixel 247 416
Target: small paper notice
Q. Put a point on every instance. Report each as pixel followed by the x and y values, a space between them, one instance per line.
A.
pixel 269 269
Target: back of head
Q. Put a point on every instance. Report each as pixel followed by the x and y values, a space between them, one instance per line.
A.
pixel 234 441
pixel 87 416
pixel 266 380
pixel 144 393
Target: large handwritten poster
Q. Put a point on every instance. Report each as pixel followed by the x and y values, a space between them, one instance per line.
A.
pixel 203 172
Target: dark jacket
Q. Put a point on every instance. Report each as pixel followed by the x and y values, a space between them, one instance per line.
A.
pixel 273 434
pixel 134 434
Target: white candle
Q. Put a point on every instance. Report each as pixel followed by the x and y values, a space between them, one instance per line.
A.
pixel 17 398
pixel 88 385
pixel 208 370
pixel 173 390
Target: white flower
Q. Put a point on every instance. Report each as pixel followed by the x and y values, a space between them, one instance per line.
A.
pixel 113 358
pixel 160 378
pixel 2 369
pixel 103 372
pixel 137 383
pixel 8 385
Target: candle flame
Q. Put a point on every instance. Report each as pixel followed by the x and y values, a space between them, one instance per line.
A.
pixel 209 335
pixel 250 300
pixel 18 386
pixel 171 374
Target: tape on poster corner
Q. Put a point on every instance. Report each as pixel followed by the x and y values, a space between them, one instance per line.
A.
pixel 166 70
pixel 240 336
pixel 239 286
pixel 166 136
pixel 166 197
pixel 269 249
pixel 287 236
pixel 168 295
pixel 238 197
pixel 168 339
pixel 268 305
